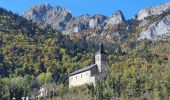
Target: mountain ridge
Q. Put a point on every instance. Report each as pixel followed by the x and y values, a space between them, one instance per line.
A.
pixel 61 19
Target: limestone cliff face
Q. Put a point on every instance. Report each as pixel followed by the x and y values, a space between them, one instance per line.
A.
pixel 57 16
pixel 156 10
pixel 158 30
pixel 150 23
pixel 37 13
pixel 62 20
pixel 83 22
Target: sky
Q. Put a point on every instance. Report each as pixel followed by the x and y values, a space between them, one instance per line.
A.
pixel 79 7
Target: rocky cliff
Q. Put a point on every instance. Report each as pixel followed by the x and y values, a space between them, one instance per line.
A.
pixel 158 30
pixel 57 16
pixel 149 23
pixel 150 11
pixel 61 18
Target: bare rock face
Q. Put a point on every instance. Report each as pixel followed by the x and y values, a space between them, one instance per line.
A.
pixel 156 10
pixel 57 16
pixel 77 24
pixel 97 20
pixel 93 23
pixel 83 22
pixel 62 20
pixel 37 13
pixel 158 30
pixel 116 18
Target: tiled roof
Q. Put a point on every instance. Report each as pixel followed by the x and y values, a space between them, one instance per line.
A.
pixel 83 69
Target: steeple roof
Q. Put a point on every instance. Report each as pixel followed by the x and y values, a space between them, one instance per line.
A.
pixel 101 49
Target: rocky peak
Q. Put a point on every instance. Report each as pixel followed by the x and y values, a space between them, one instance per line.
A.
pixel 60 8
pixel 155 10
pixel 42 7
pixel 35 13
pixel 62 20
pixel 116 18
pixel 46 14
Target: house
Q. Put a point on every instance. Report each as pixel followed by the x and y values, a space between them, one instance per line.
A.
pixel 89 74
pixel 43 92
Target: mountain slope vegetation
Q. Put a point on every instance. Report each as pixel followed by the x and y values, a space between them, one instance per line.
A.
pixel 34 55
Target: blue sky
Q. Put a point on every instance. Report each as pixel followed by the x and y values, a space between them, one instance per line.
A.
pixel 78 7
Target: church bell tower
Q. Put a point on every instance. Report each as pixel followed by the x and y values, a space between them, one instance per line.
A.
pixel 101 60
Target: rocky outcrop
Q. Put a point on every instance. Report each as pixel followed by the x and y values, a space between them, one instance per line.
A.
pixel 77 24
pixel 156 10
pixel 83 22
pixel 97 20
pixel 116 18
pixel 57 16
pixel 62 20
pixel 158 30
pixel 37 13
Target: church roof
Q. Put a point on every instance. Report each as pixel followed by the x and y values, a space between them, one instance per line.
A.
pixel 83 69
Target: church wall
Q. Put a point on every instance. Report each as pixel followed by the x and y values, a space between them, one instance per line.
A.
pixel 91 76
pixel 98 61
pixel 81 79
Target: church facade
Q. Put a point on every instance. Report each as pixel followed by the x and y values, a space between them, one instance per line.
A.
pixel 89 74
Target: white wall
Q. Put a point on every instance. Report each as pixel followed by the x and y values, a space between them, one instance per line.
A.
pixel 81 79
pixel 85 77
pixel 98 61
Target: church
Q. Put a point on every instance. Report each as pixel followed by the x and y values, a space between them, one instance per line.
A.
pixel 90 74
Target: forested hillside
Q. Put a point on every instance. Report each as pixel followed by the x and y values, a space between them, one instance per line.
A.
pixel 33 55
pixel 29 50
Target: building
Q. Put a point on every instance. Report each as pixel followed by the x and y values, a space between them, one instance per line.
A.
pixel 89 74
pixel 43 92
